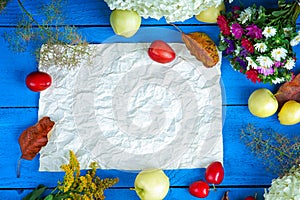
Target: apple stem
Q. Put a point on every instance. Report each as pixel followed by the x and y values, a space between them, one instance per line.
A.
pixel 132 189
pixel 177 28
pixel 215 189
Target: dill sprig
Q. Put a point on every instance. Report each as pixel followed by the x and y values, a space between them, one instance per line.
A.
pixel 278 153
pixel 3 4
pixel 75 185
pixel 61 45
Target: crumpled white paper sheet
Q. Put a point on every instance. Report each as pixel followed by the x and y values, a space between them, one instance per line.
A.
pixel 127 112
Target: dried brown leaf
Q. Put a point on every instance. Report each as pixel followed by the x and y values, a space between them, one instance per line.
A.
pixel 289 91
pixel 202 47
pixel 35 137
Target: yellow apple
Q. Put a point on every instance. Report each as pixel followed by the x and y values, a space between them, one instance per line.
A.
pixel 262 103
pixel 125 22
pixel 211 14
pixel 152 184
pixel 289 114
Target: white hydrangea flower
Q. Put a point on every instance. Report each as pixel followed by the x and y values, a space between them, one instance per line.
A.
pixel 269 31
pixel 172 10
pixel 285 188
pixel 260 47
pixel 279 53
pixel 290 64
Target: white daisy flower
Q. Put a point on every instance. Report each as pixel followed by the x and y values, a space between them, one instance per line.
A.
pixel 269 31
pixel 287 31
pixel 237 51
pixel 265 61
pixel 246 15
pixel 260 47
pixel 251 63
pixel 295 41
pixel 290 64
pixel 278 80
pixel 279 53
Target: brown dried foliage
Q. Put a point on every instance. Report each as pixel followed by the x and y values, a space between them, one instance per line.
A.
pixel 202 47
pixel 289 91
pixel 35 137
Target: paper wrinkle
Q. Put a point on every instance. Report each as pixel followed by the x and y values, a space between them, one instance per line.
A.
pixel 127 112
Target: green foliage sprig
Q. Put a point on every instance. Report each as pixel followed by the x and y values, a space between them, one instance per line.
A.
pixel 75 186
pixel 61 45
pixel 279 153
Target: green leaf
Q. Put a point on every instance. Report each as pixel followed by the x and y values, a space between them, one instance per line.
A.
pixel 49 197
pixel 222 47
pixel 278 13
pixel 36 193
pixel 281 3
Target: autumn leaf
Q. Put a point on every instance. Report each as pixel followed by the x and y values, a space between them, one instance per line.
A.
pixel 202 47
pixel 34 138
pixel 289 91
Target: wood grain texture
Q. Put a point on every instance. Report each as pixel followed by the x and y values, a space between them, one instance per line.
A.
pixel 93 12
pixel 173 194
pixel 242 167
pixel 245 174
pixel 16 66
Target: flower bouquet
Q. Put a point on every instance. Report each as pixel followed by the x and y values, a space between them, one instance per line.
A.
pixel 259 42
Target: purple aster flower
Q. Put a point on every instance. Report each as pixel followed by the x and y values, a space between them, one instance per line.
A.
pixel 265 71
pixel 241 62
pixel 244 53
pixel 237 30
pixel 230 47
pixel 254 31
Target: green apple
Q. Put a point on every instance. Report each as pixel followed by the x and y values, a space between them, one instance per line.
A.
pixel 152 184
pixel 211 14
pixel 262 103
pixel 289 114
pixel 125 22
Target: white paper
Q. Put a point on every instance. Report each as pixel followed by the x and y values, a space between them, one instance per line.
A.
pixel 127 112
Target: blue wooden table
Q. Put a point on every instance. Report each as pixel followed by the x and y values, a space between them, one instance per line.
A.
pixel 245 174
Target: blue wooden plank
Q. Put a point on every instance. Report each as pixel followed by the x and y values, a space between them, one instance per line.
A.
pixel 241 167
pixel 15 66
pixel 93 12
pixel 173 194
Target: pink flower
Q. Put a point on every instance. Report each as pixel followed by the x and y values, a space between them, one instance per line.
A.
pixel 278 64
pixel 237 30
pixel 223 24
pixel 247 45
pixel 265 71
pixel 254 31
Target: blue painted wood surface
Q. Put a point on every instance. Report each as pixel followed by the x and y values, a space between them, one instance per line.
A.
pixel 245 174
